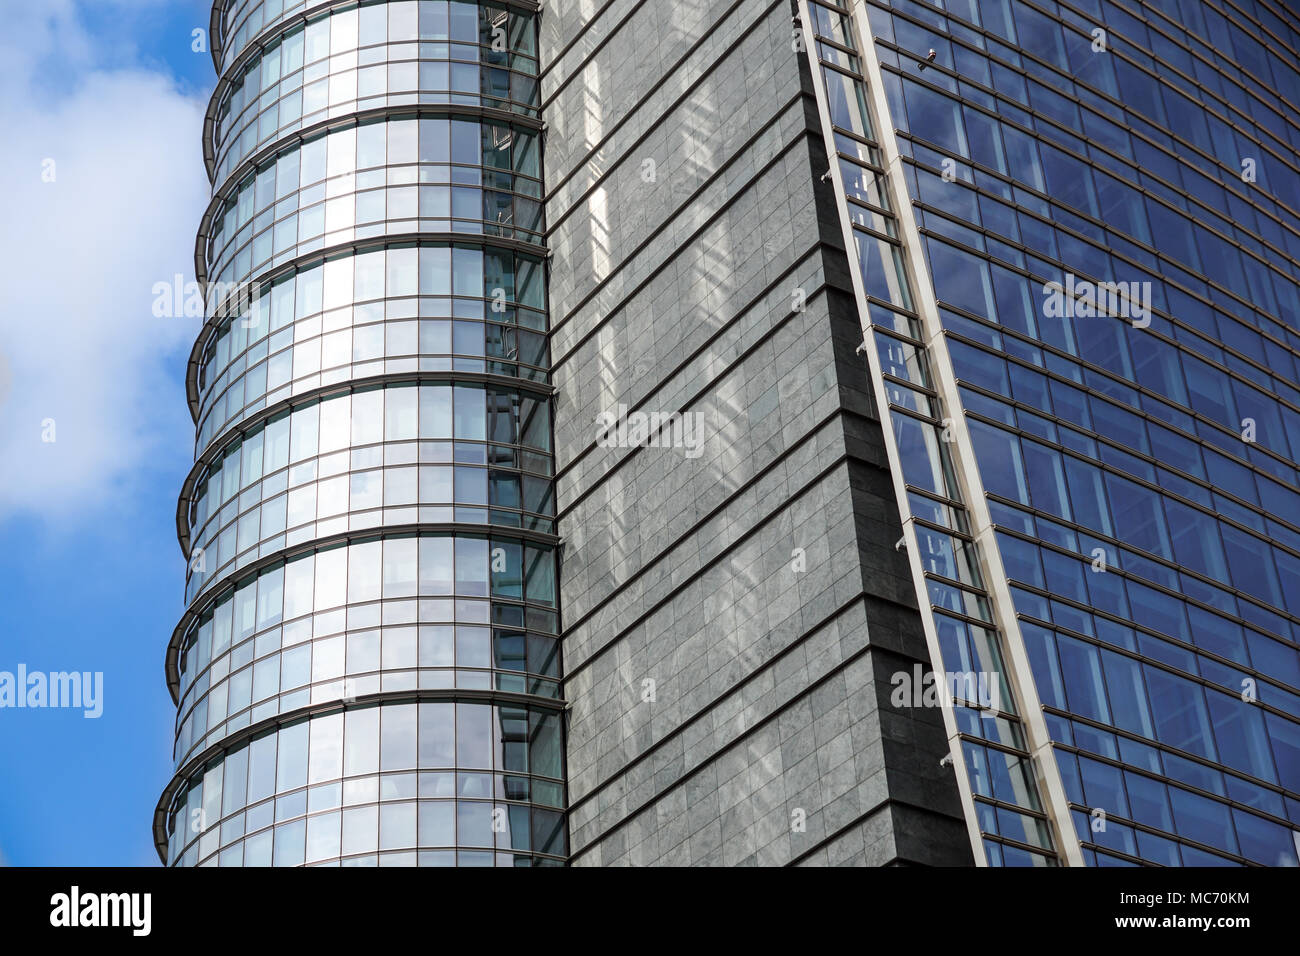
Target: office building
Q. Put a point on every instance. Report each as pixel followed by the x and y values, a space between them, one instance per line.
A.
pixel 758 433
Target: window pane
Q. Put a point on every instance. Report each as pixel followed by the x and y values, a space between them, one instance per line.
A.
pixel 437 738
pixel 361 741
pixel 474 736
pixel 398 725
pixel 326 761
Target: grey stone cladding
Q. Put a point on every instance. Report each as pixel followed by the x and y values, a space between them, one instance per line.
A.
pixel 732 619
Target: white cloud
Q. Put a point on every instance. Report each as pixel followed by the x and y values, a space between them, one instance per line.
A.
pixel 79 257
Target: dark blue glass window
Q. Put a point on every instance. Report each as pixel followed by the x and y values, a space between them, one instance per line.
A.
pixel 1203 820
pixel 1000 464
pixel 1103 785
pixel 1239 730
pixel 1128 697
pixel 1138 515
pixel 1178 709
pixel 1084 688
pixel 1150 801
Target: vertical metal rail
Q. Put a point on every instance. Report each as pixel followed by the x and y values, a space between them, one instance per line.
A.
pixel 885 220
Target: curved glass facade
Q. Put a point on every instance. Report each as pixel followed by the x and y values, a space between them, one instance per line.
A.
pixel 286 635
pixel 359 788
pixel 377 456
pixel 408 174
pixel 368 669
pixel 417 307
pixel 350 59
pixel 1107 201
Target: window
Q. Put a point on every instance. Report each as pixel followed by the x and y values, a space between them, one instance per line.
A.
pixel 1178 709
pixel 367 417
pixel 399 567
pixel 361 824
pixel 291 768
pixel 1015 302
pixel 1150 802
pixel 472 567
pixel 1251 563
pixel 323 836
pixel 1068 180
pixel 474 823
pixel 436 564
pixel 403 274
pixel 1041 646
pixel 1083 682
pixel 1001 467
pixel 289 843
pixel 474 736
pixel 1022 158
pixel 1138 516
pixel 326 758
pixel 397 743
pixel 435 270
pixel 935 118
pixel 985 140
pixel 1046 479
pixel 364 569
pixel 467 265
pixel 1103 785
pixel 437 823
pixel 847 103
pixel 1264 841
pixel 961 279
pixel 1127 693
pixel 399 648
pixel 234 795
pixel 1210 392
pixel 437 735
pixel 1203 820
pixel 1239 730
pixel 368 281
pixel 1196 540
pixel 507 568
pixel 363 652
pixel 436 411
pixel 327 659
pixel 437 647
pixel 361 741
pixel 470 412
pixel 331 577
pixel 921 455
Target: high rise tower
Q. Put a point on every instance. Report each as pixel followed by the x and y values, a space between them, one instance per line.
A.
pixel 1076 232
pixel 368 667
pixel 890 407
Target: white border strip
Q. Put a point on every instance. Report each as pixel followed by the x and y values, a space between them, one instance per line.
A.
pixel 1016 659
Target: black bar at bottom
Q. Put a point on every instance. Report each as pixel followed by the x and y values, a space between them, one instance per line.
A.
pixel 955 907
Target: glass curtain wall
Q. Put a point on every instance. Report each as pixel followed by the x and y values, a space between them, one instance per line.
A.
pixel 368 671
pixel 1108 199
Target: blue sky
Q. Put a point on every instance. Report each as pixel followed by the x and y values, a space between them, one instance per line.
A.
pixel 111 91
